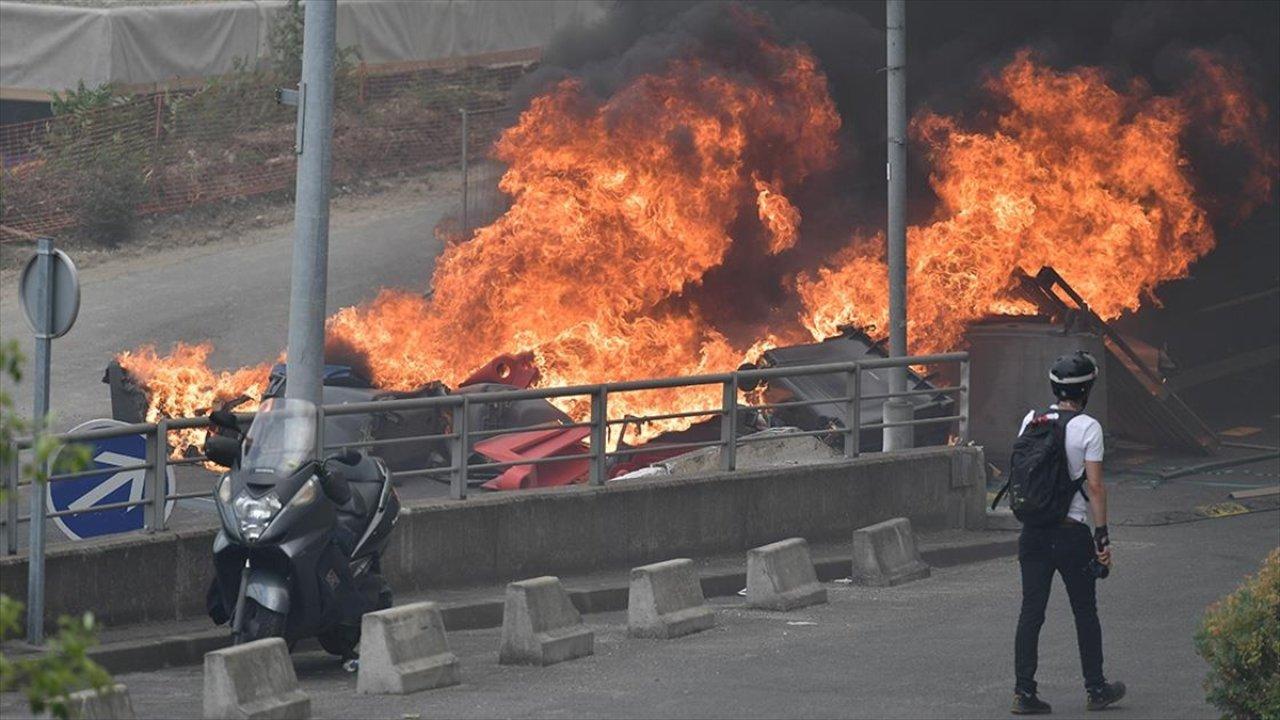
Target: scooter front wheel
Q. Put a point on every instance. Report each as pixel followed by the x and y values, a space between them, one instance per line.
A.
pixel 259 622
pixel 341 640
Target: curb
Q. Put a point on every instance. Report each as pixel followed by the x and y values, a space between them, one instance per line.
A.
pixel 158 653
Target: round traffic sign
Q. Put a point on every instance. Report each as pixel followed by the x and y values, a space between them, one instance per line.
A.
pixel 65 294
pixel 109 486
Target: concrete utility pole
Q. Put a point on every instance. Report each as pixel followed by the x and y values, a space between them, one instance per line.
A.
pixel 898 409
pixel 311 207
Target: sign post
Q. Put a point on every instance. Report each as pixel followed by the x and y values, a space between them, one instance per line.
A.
pixel 50 292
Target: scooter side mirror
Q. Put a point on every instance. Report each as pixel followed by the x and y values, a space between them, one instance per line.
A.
pixel 224 419
pixel 334 484
pixel 222 450
pixel 346 457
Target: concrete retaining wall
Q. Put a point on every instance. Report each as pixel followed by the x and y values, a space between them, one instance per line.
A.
pixel 504 536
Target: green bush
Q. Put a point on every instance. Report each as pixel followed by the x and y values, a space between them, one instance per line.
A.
pixel 99 150
pixel 48 678
pixel 1240 639
pixel 284 43
pixel 243 100
pixel 82 102
pixel 108 187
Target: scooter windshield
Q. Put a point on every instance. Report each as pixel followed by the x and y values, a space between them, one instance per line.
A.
pixel 281 438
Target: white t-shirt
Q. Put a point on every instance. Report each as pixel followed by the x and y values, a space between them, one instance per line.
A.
pixel 1084 443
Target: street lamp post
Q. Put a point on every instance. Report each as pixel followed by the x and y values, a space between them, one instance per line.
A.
pixel 897 410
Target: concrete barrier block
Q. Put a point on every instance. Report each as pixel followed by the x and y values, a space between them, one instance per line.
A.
pixel 540 625
pixel 780 576
pixel 251 681
pixel 404 650
pixel 110 703
pixel 886 554
pixel 665 601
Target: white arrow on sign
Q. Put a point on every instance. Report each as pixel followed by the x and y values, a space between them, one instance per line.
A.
pixel 136 479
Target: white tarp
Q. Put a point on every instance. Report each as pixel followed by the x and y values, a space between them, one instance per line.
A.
pixel 47 47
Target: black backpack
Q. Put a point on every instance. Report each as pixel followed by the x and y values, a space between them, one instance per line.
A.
pixel 1040 485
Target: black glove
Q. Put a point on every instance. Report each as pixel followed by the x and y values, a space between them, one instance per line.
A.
pixel 1100 537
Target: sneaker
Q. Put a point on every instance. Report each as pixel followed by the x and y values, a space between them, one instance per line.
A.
pixel 1029 704
pixel 1108 694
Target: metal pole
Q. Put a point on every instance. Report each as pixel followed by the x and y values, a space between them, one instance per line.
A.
pixel 599 436
pixel 466 224
pixel 162 473
pixel 149 514
pixel 461 415
pixel 853 412
pixel 963 429
pixel 729 426
pixel 897 409
pixel 44 343
pixel 11 501
pixel 311 208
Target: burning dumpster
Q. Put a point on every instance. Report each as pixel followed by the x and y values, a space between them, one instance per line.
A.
pixel 851 345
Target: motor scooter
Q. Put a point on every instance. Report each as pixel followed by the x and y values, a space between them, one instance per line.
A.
pixel 300 550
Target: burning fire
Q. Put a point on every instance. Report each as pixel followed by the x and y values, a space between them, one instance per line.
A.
pixel 617 206
pixel 779 215
pixel 181 384
pixel 1077 175
pixel 620 205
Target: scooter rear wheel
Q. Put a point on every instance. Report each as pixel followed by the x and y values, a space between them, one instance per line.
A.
pixel 259 622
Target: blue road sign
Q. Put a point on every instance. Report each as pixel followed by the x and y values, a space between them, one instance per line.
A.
pixel 109 486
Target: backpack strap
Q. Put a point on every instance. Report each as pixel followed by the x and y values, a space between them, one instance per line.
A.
pixel 1000 494
pixel 1065 417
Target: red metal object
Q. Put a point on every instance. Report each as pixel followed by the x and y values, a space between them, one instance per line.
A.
pixel 534 445
pixel 517 370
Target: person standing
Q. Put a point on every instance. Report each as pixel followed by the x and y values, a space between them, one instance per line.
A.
pixel 1055 485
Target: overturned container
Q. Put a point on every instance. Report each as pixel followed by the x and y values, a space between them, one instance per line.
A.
pixel 1009 375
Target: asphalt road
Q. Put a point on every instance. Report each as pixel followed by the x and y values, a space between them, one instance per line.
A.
pixel 939 647
pixel 234 292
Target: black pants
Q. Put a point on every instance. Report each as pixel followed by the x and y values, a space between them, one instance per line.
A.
pixel 1067 550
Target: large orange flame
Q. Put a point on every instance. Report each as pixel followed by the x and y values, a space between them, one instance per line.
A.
pixel 1077 175
pixel 619 206
pixel 181 383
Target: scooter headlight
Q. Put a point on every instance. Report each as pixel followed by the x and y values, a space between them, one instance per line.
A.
pixel 254 514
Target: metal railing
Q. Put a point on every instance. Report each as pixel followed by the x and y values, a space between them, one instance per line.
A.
pixel 460 436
